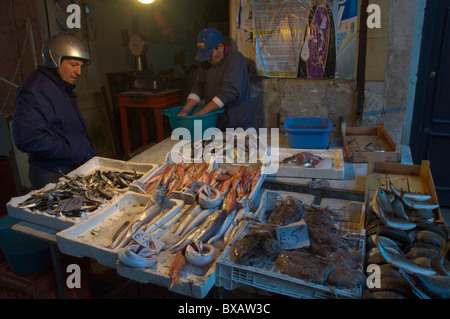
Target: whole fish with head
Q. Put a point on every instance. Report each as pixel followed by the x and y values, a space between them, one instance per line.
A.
pixel 393 222
pixel 401 262
pixel 383 200
pixel 178 263
pixel 409 195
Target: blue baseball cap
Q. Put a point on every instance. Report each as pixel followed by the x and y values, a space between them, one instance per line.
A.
pixel 207 40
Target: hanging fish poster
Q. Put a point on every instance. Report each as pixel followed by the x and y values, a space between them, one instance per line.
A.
pixel 314 39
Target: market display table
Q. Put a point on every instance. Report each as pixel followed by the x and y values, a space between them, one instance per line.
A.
pixel 350 188
pixel 145 100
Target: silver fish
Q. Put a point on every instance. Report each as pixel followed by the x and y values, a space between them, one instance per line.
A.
pixel 401 262
pixel 392 222
pixel 209 197
pixel 438 262
pixel 199 218
pixel 190 213
pixel 409 195
pixel 399 210
pixel 141 219
pixel 419 205
pixel 224 227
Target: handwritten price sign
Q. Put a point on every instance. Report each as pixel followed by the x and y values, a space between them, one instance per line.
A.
pixel 293 236
pixel 144 239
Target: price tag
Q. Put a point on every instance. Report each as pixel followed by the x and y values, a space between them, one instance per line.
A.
pixel 70 204
pixel 293 236
pixel 144 239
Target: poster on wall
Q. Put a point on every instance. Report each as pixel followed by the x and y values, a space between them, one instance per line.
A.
pixel 346 40
pixel 313 39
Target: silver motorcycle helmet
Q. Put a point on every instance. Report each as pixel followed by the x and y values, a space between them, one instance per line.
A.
pixel 63 46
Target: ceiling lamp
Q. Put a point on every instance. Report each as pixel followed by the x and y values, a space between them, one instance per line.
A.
pixel 146 1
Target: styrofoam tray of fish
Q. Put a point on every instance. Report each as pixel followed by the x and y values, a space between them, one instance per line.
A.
pixel 79 194
pixel 93 237
pixel 252 173
pixel 310 163
pixel 106 164
pixel 43 218
pixel 266 273
pixel 194 280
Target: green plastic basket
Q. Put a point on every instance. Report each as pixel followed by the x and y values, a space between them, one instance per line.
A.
pixel 207 120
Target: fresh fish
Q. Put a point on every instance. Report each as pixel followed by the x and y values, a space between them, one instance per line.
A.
pixel 204 232
pixel 203 256
pixel 229 200
pixel 257 245
pixel 208 197
pixel 438 262
pixel 409 195
pixel 399 210
pixel 224 227
pixel 244 211
pixel 199 218
pixel 189 214
pixel 121 229
pixel 304 265
pixel 429 237
pixel 383 200
pixel 419 205
pixel 178 263
pixel 287 212
pixel 401 262
pixel 392 222
pixel 141 219
pixel 158 195
pixel 434 286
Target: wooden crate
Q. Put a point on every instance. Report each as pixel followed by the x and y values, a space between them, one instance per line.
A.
pixel 410 178
pixel 362 143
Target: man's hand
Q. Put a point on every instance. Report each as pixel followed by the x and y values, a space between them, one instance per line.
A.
pixel 182 113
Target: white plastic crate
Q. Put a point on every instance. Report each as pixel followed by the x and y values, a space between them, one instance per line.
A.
pixel 90 237
pixel 268 277
pixel 60 222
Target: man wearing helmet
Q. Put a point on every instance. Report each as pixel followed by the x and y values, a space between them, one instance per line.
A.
pixel 48 124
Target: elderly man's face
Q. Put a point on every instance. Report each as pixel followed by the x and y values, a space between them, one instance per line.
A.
pixel 70 70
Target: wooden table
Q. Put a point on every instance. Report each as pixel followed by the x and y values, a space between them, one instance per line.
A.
pixel 145 100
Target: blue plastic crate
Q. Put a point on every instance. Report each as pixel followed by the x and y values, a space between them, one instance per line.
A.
pixel 308 132
pixel 207 120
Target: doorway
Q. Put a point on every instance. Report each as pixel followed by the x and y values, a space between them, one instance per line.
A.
pixel 430 129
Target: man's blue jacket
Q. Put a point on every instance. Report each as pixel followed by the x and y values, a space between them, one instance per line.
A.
pixel 48 124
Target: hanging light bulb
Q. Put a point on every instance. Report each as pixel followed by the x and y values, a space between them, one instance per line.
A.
pixel 146 1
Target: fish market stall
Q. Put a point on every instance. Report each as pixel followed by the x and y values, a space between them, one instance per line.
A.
pixel 195 225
